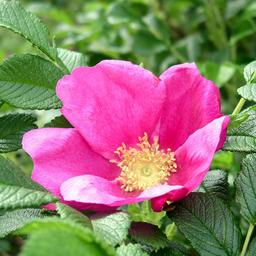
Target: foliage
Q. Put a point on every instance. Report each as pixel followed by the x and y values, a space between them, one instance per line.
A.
pixel 50 39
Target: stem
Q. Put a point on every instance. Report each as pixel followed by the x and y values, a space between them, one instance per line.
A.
pixel 247 239
pixel 239 106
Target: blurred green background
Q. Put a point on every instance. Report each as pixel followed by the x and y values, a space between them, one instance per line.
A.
pixel 219 35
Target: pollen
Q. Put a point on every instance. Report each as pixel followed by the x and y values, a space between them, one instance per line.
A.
pixel 145 165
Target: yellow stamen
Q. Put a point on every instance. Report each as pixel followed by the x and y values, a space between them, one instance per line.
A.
pixel 144 166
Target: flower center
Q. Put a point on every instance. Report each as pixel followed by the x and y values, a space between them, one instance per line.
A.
pixel 144 166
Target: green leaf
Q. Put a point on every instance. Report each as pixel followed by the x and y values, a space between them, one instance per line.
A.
pixel 215 183
pixel 17 190
pixel 240 144
pixel 69 213
pixel 12 128
pixel 28 82
pixel 66 238
pixel 11 175
pixel 248 92
pixel 60 122
pixel 72 59
pixel 14 17
pixel 113 227
pixel 236 120
pixel 246 189
pixel 252 248
pixel 13 220
pixel 242 136
pixel 14 197
pixel 143 212
pixel 245 123
pixel 130 250
pixel 249 72
pixel 149 235
pixel 208 224
pixel 174 249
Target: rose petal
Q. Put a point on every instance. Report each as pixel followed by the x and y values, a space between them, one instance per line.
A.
pixel 193 159
pixel 111 103
pixel 90 189
pixel 60 154
pixel 192 102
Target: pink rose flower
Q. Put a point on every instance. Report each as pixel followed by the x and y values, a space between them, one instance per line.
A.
pixel 136 137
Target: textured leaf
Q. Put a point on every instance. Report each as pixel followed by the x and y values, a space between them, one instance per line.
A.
pixel 69 213
pixel 60 122
pixel 17 190
pixel 72 59
pixel 174 249
pixel 113 227
pixel 208 224
pixel 14 197
pixel 242 136
pixel 247 125
pixel 13 220
pixel 13 176
pixel 249 71
pixel 240 144
pixel 252 248
pixel 215 183
pixel 66 238
pixel 130 250
pixel 149 235
pixel 28 82
pixel 246 189
pixel 14 17
pixel 12 128
pixel 248 92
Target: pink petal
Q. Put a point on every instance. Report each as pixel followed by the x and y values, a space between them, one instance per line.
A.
pixel 82 206
pixel 60 154
pixel 193 159
pixel 192 102
pixel 111 103
pixel 91 189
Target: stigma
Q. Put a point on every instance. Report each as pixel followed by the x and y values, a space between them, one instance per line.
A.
pixel 144 165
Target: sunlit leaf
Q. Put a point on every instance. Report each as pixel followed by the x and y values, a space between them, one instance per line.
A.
pixel 14 17
pixel 28 82
pixel 248 92
pixel 130 250
pixel 112 227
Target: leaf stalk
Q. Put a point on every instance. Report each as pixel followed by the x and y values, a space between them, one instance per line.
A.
pixel 247 239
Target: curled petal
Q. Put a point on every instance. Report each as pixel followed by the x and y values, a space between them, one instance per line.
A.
pixel 193 159
pixel 191 103
pixel 89 189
